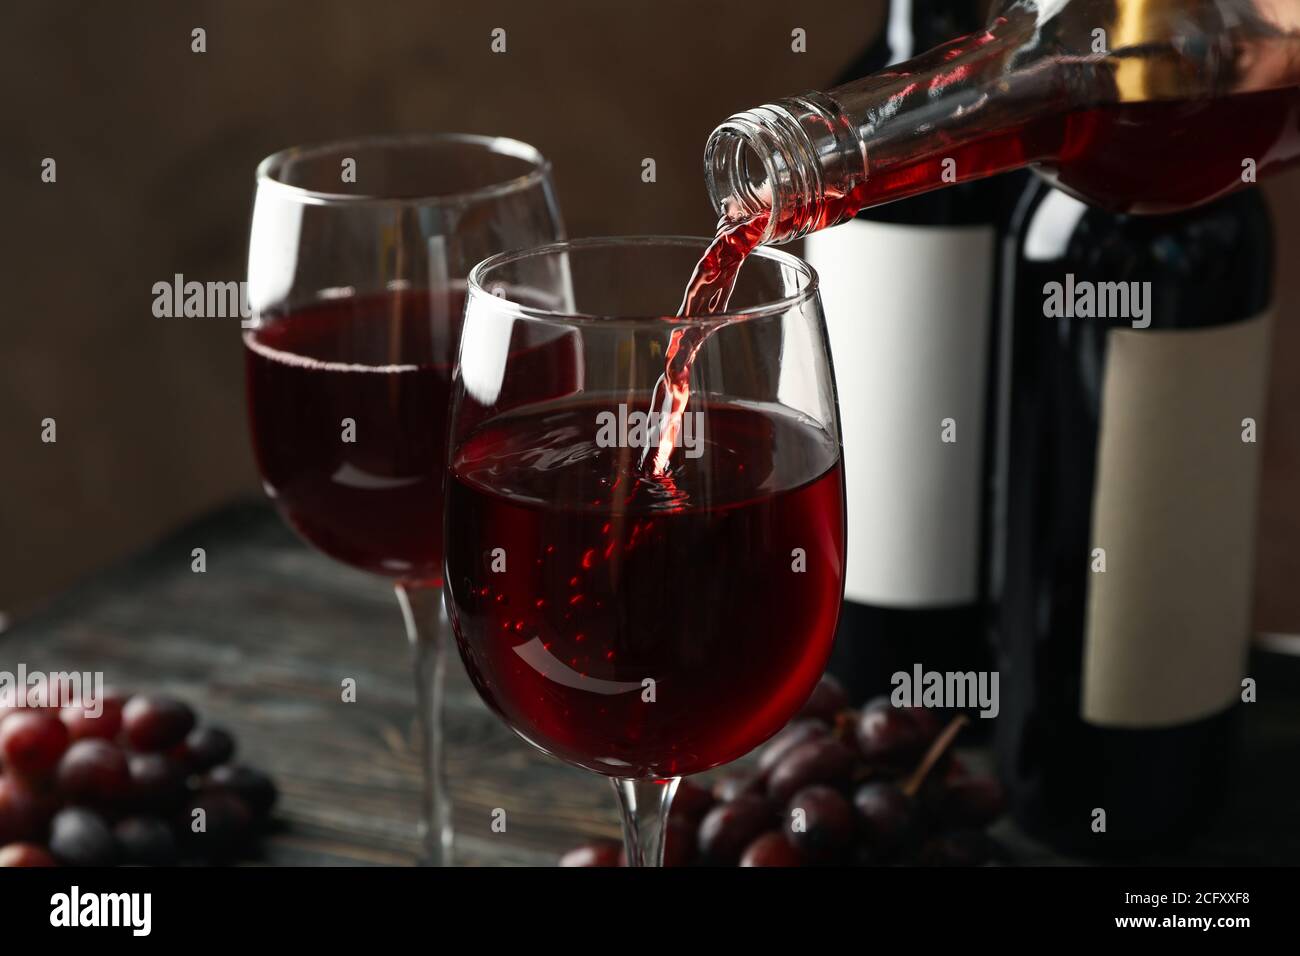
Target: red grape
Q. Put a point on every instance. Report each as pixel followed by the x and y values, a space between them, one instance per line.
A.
pixel 798 731
pixel 595 853
pixel 154 723
pixel 157 781
pixel 728 828
pixel 82 725
pixel 826 701
pixel 23 813
pixel 771 849
pixel 829 825
pixel 888 816
pixel 823 760
pixel 25 854
pixel 728 788
pixel 94 772
pixel 31 742
pixel 690 803
pixel 895 735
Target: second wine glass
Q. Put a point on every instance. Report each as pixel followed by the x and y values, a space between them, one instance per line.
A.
pixel 356 266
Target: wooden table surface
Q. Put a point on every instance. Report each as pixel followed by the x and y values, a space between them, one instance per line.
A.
pixel 263 639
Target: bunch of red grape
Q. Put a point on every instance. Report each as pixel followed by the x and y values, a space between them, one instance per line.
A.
pixel 835 786
pixel 123 787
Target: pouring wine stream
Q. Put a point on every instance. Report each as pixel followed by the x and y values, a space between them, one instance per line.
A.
pixel 707 293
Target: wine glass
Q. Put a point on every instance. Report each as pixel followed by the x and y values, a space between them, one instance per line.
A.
pixel 356 264
pixel 642 626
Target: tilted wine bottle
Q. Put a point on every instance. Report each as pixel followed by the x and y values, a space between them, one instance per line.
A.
pixel 1132 105
pixel 908 293
pixel 1128 446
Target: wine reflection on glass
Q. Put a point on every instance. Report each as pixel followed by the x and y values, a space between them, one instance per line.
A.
pixel 642 625
pixel 357 260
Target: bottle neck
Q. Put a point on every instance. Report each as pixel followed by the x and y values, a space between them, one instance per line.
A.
pixel 914 26
pixel 812 161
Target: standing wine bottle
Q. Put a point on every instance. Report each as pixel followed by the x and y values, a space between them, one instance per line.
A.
pixel 1129 447
pixel 908 292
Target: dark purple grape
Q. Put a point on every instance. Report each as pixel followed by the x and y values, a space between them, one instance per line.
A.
pixel 771 849
pixel 23 813
pixel 207 747
pixel 221 829
pixel 969 802
pixel 729 827
pixel 690 803
pixel 157 781
pixel 895 736
pixel 154 723
pixel 146 840
pixel 94 772
pixel 728 788
pixel 828 826
pixel 25 854
pixel 255 788
pixel 958 848
pixel 826 701
pixel 823 760
pixel 793 734
pixel 31 743
pixel 888 817
pixel 79 837
pixel 595 853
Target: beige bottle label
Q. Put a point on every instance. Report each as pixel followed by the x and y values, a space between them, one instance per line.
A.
pixel 1169 619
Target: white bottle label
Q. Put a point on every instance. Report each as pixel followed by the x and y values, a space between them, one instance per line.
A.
pixel 1169 619
pixel 908 310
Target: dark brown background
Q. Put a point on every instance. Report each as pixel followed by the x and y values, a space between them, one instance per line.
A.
pixel 156 148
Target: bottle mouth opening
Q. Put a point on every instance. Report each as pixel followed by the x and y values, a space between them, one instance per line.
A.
pixel 739 171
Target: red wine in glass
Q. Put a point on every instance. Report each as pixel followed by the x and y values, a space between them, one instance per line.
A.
pixel 620 578
pixel 347 400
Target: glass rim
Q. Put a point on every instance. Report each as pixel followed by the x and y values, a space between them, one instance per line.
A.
pixel 500 145
pixel 477 286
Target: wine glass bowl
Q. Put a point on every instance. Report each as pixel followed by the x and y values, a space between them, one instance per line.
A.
pixel 643 626
pixel 357 260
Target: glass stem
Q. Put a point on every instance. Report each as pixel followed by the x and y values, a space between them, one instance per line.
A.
pixel 426 628
pixel 644 806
